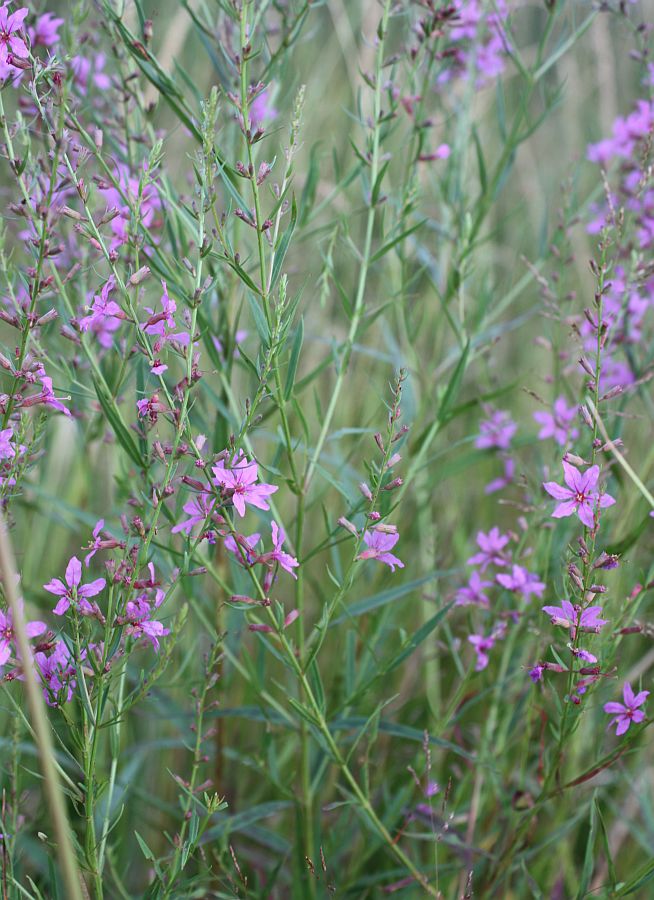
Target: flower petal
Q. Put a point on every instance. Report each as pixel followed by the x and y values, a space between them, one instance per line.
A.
pixel 73 572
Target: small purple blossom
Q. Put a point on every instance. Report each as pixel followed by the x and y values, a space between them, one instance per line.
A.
pixel 96 543
pixel 243 547
pixel 574 617
pixel 473 592
pixel 198 509
pixel 57 672
pixel 103 313
pixel 558 423
pixel 11 30
pixel 262 110
pixel 32 629
pixel 496 431
pixel 238 480
pixel 580 496
pixel 490 546
pixel 628 712
pixel 521 581
pixel 379 542
pixel 45 31
pixel 482 646
pixel 285 560
pixel 7 451
pixel 138 619
pixel 498 484
pixel 73 591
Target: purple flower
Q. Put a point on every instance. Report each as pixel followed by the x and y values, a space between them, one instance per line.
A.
pixel 574 617
pixel 33 629
pixel 6 449
pixel 11 27
pixel 96 543
pixel 536 674
pixel 139 622
pixel 522 581
pixel 45 31
pixel 285 560
pixel 482 645
pixel 238 480
pixel 491 546
pixel 102 311
pixel 498 484
pixel 582 654
pixel 379 542
pixel 87 71
pixel 57 673
pixel 557 424
pixel 628 712
pixel 496 431
pixel 473 592
pixel 47 394
pixel 73 591
pixel 198 509
pixel 261 110
pixel 580 496
pixel 243 547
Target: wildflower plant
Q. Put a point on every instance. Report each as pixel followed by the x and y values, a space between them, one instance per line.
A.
pixel 325 480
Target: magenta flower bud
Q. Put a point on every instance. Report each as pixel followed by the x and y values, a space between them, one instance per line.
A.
pixel 393 461
pixel 395 483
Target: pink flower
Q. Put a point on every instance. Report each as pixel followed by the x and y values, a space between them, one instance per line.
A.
pixel 100 543
pixel 95 545
pixel 379 543
pixel 198 509
pixel 261 110
pixel 491 546
pixel 628 712
pixel 6 449
pixel 47 396
pixel 557 424
pixel 57 672
pixel 33 629
pixel 11 27
pixel 45 31
pixel 102 312
pixel 243 547
pixel 498 484
pixel 238 480
pixel 285 560
pixel 580 496
pixel 522 581
pixel 473 592
pixel 482 645
pixel 496 431
pixel 574 617
pixel 73 591
pixel 139 622
pixel 87 71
